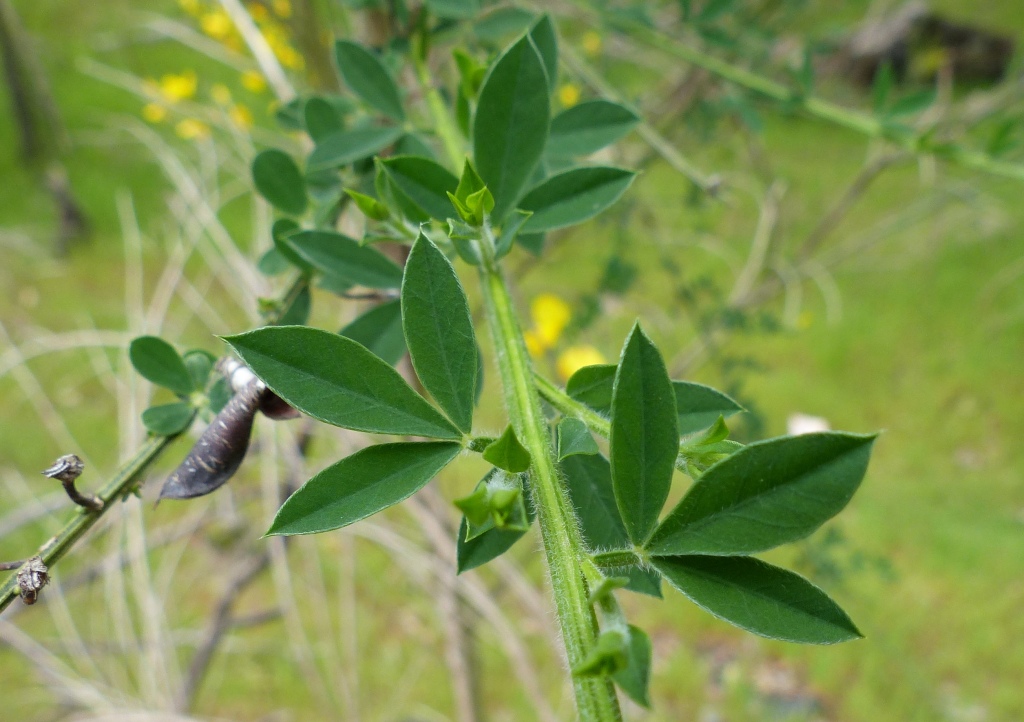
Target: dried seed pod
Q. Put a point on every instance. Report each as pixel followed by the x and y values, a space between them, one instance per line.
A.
pixel 67 468
pixel 32 577
pixel 240 376
pixel 220 450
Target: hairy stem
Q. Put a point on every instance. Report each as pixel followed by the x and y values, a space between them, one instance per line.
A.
pixel 560 532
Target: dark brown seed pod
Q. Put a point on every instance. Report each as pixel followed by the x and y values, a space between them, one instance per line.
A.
pixel 220 450
pixel 32 577
pixel 239 376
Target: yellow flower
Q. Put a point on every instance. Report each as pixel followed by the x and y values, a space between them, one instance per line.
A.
pixel 241 116
pixel 805 320
pixel 178 87
pixel 217 24
pixel 290 58
pixel 221 94
pixel 592 43
pixel 258 12
pixel 253 81
pixel 550 317
pixel 192 7
pixel 191 129
pixel 154 112
pixel 576 357
pixel 568 95
pixel 283 8
pixel 534 345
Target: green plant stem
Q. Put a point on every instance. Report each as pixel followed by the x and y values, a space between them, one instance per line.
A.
pixel 594 421
pixel 855 120
pixel 123 483
pixel 450 137
pixel 560 532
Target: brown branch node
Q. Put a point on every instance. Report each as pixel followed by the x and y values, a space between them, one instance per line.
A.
pixel 67 468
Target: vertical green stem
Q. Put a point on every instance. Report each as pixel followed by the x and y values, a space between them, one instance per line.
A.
pixel 560 532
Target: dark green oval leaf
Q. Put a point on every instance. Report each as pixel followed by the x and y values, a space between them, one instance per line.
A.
pixel 502 22
pixel 369 78
pixel 348 146
pixel 760 598
pixel 337 255
pixel 546 39
pixel 588 127
pixel 573 197
pixel 168 419
pixel 380 330
pixel 635 679
pixel 697 406
pixel 336 380
pixel 426 183
pixel 644 440
pixel 589 482
pixel 439 331
pixel 766 494
pixel 507 453
pixel 574 438
pixel 322 118
pixel 279 180
pixel 475 552
pixel 199 364
pixel 511 124
pixel 157 361
pixel 361 485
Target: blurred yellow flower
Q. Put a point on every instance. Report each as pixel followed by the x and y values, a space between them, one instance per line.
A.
pixel 217 24
pixel 805 320
pixel 568 95
pixel 576 357
pixel 592 43
pixel 534 346
pixel 253 81
pixel 258 12
pixel 191 129
pixel 289 57
pixel 241 116
pixel 178 87
pixel 154 112
pixel 550 316
pixel 221 94
pixel 283 8
pixel 192 7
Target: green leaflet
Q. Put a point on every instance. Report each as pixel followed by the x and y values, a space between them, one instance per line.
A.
pixel 697 406
pixel 644 438
pixel 439 331
pixel 635 678
pixel 158 362
pixel 546 40
pixel 588 127
pixel 766 494
pixel 425 182
pixel 342 257
pixel 361 485
pixel 481 549
pixel 759 597
pixel 168 419
pixel 322 118
pixel 589 482
pixel 573 196
pixel 347 146
pixel 574 438
pixel 199 364
pixel 336 380
pixel 380 330
pixel 279 180
pixel 369 78
pixel 511 123
pixel 508 453
pixel 454 9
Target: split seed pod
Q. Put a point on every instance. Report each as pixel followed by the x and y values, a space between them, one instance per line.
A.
pixel 220 450
pixel 32 577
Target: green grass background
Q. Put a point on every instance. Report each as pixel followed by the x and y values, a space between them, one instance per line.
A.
pixel 924 350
